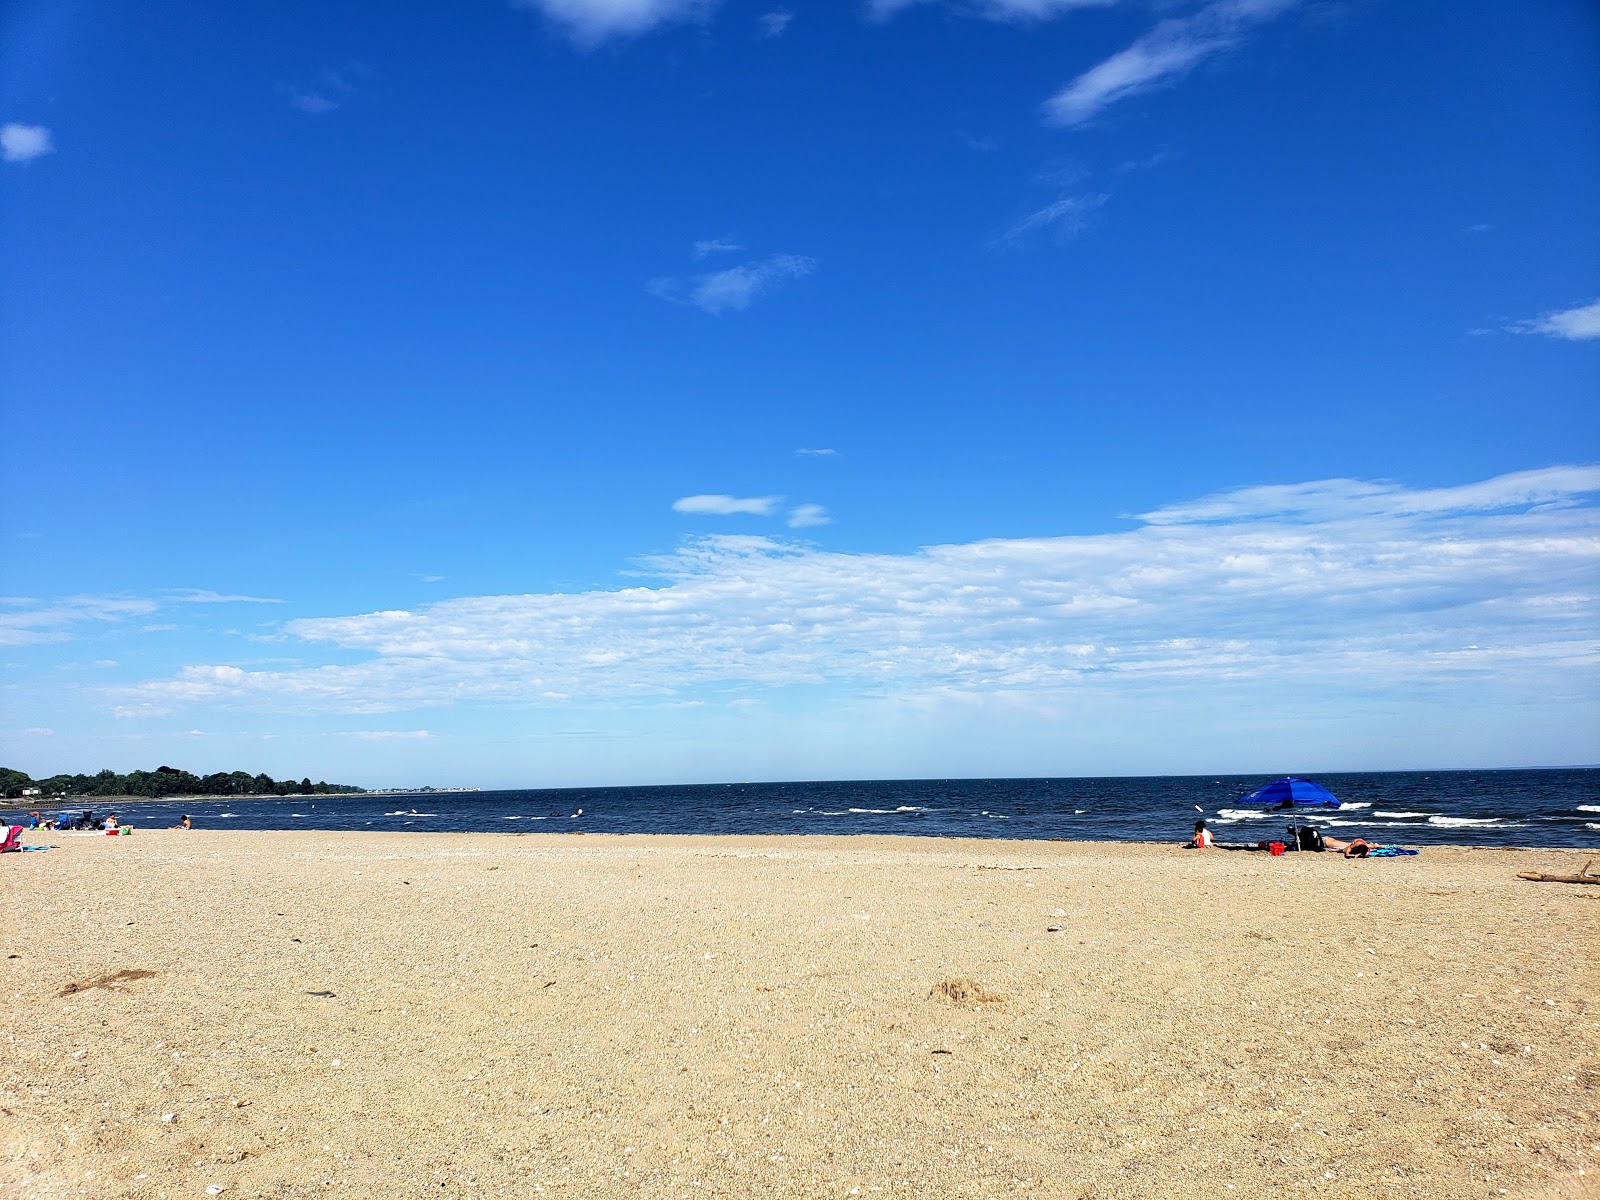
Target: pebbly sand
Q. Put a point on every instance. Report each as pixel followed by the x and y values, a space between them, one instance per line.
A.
pixel 355 1015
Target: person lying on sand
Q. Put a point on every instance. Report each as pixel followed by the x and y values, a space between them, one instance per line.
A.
pixel 1354 848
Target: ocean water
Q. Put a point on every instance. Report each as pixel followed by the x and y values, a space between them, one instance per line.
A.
pixel 1552 808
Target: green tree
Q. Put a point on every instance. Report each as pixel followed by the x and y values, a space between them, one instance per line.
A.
pixel 12 782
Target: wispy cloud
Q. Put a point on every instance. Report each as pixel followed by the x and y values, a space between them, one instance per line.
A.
pixel 1344 499
pixel 30 622
pixel 735 288
pixel 390 735
pixel 724 506
pixel 329 91
pixel 23 143
pixel 1061 220
pixel 774 23
pixel 808 452
pixel 1324 585
pixel 994 10
pixel 708 246
pixel 590 22
pixel 1578 324
pixel 1169 50
pixel 203 596
pixel 805 516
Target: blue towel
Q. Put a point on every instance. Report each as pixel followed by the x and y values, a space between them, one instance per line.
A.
pixel 1390 852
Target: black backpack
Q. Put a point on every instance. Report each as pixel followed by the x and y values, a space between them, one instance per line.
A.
pixel 1310 838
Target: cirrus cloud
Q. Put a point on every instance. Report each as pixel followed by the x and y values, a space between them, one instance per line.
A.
pixel 733 289
pixel 1171 49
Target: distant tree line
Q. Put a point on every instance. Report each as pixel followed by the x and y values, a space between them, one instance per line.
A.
pixel 163 781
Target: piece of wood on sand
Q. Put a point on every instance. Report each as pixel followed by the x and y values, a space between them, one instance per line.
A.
pixel 1541 877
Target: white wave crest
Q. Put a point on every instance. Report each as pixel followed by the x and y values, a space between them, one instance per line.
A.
pixel 1396 815
pixel 1356 804
pixel 1462 822
pixel 1589 808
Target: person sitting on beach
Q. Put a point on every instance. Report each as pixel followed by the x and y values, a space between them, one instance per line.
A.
pixel 185 823
pixel 1354 848
pixel 111 823
pixel 1202 838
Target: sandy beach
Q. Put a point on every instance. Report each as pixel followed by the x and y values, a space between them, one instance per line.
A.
pixel 328 1014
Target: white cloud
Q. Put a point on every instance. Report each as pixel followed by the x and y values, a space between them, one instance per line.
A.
pixel 22 143
pixel 708 246
pixel 994 10
pixel 589 22
pixel 1167 51
pixel 1329 499
pixel 1063 219
pixel 390 735
pixel 1324 586
pixel 203 596
pixel 808 452
pixel 31 622
pixel 312 103
pixel 726 506
pixel 1037 10
pixel 1574 324
pixel 734 288
pixel 805 516
pixel 774 23
pixel 331 89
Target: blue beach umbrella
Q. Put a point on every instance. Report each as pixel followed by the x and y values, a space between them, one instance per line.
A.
pixel 1302 793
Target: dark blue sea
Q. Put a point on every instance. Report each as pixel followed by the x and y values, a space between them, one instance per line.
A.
pixel 1557 807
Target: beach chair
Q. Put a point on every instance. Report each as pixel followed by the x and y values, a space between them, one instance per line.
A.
pixel 13 840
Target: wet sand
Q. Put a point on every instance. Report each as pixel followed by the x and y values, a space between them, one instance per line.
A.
pixel 329 1014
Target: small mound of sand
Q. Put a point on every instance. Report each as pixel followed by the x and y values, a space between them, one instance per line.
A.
pixel 962 990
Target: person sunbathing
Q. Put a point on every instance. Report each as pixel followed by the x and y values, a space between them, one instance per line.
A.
pixel 1354 848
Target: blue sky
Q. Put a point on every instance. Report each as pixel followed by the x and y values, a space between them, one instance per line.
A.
pixel 606 391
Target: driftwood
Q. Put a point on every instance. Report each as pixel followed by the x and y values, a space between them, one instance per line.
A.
pixel 1537 877
pixel 1540 877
